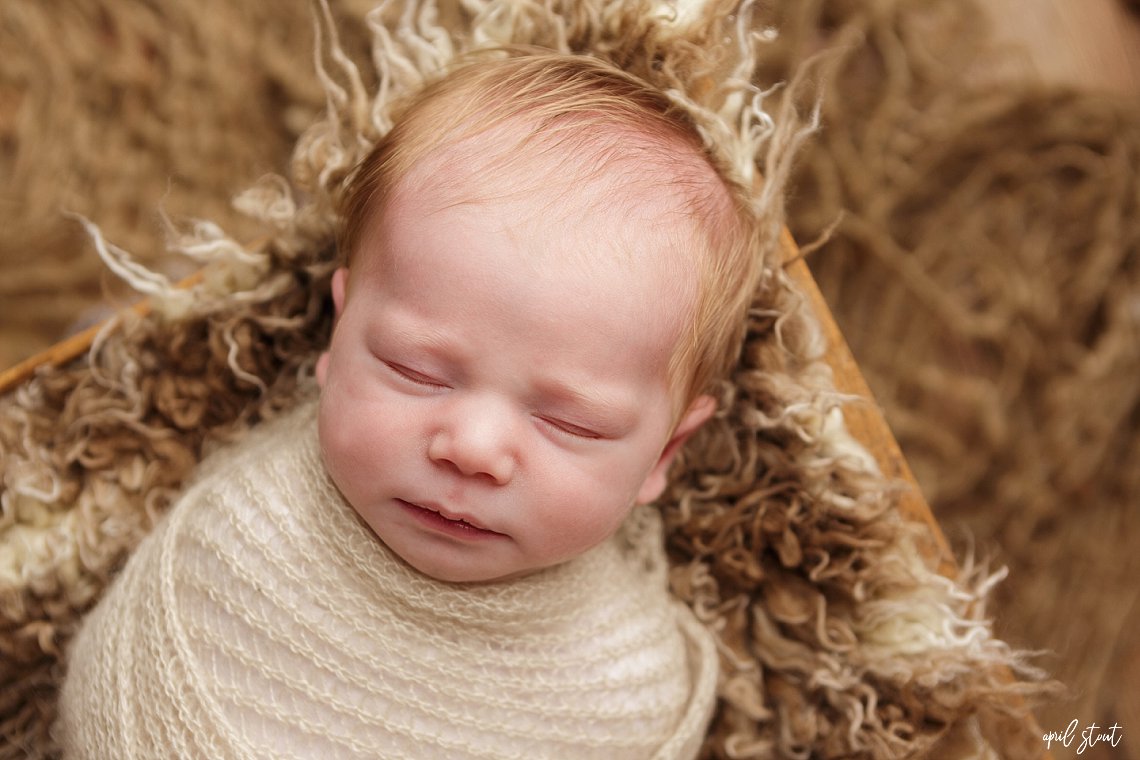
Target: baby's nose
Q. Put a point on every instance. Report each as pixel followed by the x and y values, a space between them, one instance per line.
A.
pixel 476 440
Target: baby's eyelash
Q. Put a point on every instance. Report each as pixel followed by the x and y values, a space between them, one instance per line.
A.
pixel 412 376
pixel 570 429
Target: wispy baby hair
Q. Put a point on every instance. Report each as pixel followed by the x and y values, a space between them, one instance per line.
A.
pixel 601 118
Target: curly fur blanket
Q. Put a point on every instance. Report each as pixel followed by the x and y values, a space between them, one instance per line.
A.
pixel 836 638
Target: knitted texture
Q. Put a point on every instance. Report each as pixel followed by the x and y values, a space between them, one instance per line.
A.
pixel 263 619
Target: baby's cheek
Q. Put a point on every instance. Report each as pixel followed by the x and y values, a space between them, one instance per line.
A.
pixel 591 513
pixel 342 438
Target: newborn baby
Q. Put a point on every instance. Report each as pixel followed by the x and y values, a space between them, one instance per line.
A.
pixel 451 552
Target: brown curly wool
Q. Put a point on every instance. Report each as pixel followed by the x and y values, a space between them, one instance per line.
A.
pixel 92 455
pixel 836 639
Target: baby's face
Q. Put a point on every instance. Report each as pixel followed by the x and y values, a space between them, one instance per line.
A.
pixel 495 397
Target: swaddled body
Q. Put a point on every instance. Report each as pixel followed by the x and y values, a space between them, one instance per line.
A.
pixel 263 619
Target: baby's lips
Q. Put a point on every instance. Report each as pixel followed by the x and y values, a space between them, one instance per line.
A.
pixel 447 514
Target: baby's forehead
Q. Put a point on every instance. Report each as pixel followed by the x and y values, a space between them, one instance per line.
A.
pixel 575 174
pixel 614 203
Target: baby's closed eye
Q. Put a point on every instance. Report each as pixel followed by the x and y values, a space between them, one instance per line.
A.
pixel 569 428
pixel 413 376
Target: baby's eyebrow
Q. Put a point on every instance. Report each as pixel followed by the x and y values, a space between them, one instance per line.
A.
pixel 423 339
pixel 597 405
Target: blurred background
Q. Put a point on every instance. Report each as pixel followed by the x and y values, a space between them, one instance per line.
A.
pixel 978 170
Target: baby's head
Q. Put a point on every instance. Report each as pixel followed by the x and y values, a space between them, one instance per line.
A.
pixel 546 274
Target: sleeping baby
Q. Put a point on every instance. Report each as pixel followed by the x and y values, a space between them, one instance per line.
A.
pixel 451 551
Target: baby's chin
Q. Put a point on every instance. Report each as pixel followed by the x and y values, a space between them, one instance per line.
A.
pixel 446 570
pixel 447 573
pixel 445 566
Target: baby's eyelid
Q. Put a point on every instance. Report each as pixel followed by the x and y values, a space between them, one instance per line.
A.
pixel 570 428
pixel 413 376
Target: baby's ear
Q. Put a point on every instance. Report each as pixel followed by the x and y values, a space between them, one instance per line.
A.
pixel 339 283
pixel 701 408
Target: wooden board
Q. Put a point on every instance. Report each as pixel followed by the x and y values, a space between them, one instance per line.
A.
pixel 865 420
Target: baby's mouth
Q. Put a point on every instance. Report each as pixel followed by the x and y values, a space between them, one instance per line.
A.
pixel 436 514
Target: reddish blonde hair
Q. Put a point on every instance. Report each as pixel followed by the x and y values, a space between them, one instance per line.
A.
pixel 584 105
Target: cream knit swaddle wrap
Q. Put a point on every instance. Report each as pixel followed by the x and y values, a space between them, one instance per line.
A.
pixel 262 619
